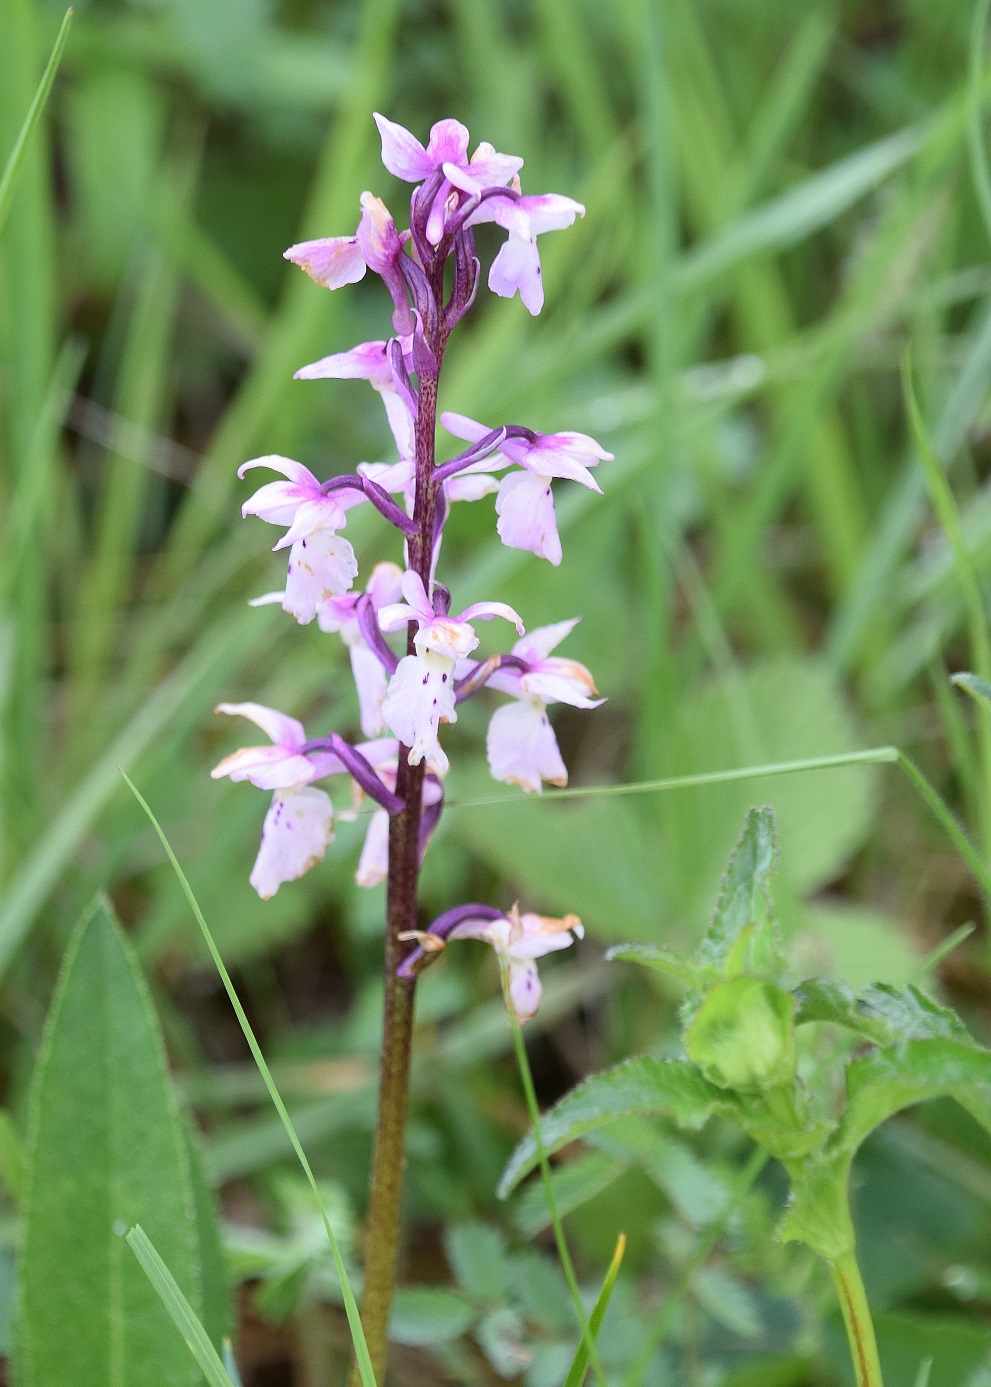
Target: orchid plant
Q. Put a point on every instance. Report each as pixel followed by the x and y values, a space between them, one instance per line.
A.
pixel 407 695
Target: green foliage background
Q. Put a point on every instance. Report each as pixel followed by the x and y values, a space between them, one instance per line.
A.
pixel 779 199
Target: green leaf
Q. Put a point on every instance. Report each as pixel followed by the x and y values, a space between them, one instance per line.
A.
pixel 181 1312
pixel 15 161
pixel 215 1284
pixel 675 1088
pixel 106 1149
pixel 822 1000
pixel 477 1256
pixel 743 915
pixel 743 1035
pixel 889 1080
pixel 575 1183
pixel 662 961
pixel 428 1315
pixel 978 688
pixel 911 1015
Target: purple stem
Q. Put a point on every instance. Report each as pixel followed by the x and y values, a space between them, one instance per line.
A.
pixel 379 497
pixel 429 820
pixel 487 445
pixel 368 621
pixel 482 673
pixel 442 927
pixel 359 769
pixel 472 205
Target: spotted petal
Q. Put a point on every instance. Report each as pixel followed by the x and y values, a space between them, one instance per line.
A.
pixel 298 828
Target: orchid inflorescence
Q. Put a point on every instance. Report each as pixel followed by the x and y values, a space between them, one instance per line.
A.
pixel 405 697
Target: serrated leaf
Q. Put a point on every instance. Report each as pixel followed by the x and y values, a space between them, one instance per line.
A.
pixel 742 935
pixel 675 1088
pixel 824 1001
pixel 476 1253
pixel 911 1015
pixel 661 961
pixel 106 1150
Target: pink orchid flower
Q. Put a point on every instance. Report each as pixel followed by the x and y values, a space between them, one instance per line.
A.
pixel 521 745
pixel 525 505
pixel 518 939
pixel 369 361
pixel 340 614
pixel 321 561
pixel 405 157
pixel 333 261
pixel 421 692
pixel 517 266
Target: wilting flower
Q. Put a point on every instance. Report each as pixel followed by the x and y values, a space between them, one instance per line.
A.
pixel 334 261
pixel 517 939
pixel 321 561
pixel 421 692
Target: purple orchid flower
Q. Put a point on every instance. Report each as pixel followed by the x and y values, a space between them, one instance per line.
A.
pixel 421 693
pixel 517 266
pixel 340 614
pixel 321 561
pixel 518 940
pixel 370 361
pixel 447 151
pixel 525 504
pixel 521 746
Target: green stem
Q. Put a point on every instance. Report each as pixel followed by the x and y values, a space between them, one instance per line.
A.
pixel 857 1319
pixel 530 1093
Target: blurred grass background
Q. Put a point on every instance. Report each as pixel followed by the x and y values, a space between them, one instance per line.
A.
pixel 779 200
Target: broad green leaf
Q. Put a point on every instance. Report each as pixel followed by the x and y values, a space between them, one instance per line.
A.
pixel 743 915
pixel 889 1080
pixel 427 1315
pixel 743 1035
pixel 675 1088
pixel 911 1015
pixel 106 1149
pixel 781 710
pixel 476 1253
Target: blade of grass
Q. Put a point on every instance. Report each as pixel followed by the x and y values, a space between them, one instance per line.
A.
pixel 179 1308
pixel 975 138
pixel 350 1304
pixel 579 1366
pixel 949 518
pixel 15 160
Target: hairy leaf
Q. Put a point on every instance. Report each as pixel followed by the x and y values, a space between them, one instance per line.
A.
pixel 676 1088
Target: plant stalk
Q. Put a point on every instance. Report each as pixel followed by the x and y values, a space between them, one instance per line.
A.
pixel 382 1223
pixel 857 1319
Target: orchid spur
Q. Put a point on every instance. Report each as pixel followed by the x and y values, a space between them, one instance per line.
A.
pixel 415 662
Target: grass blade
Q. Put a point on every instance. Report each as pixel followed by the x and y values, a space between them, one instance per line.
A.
pixel 179 1308
pixel 15 162
pixel 350 1304
pixel 579 1367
